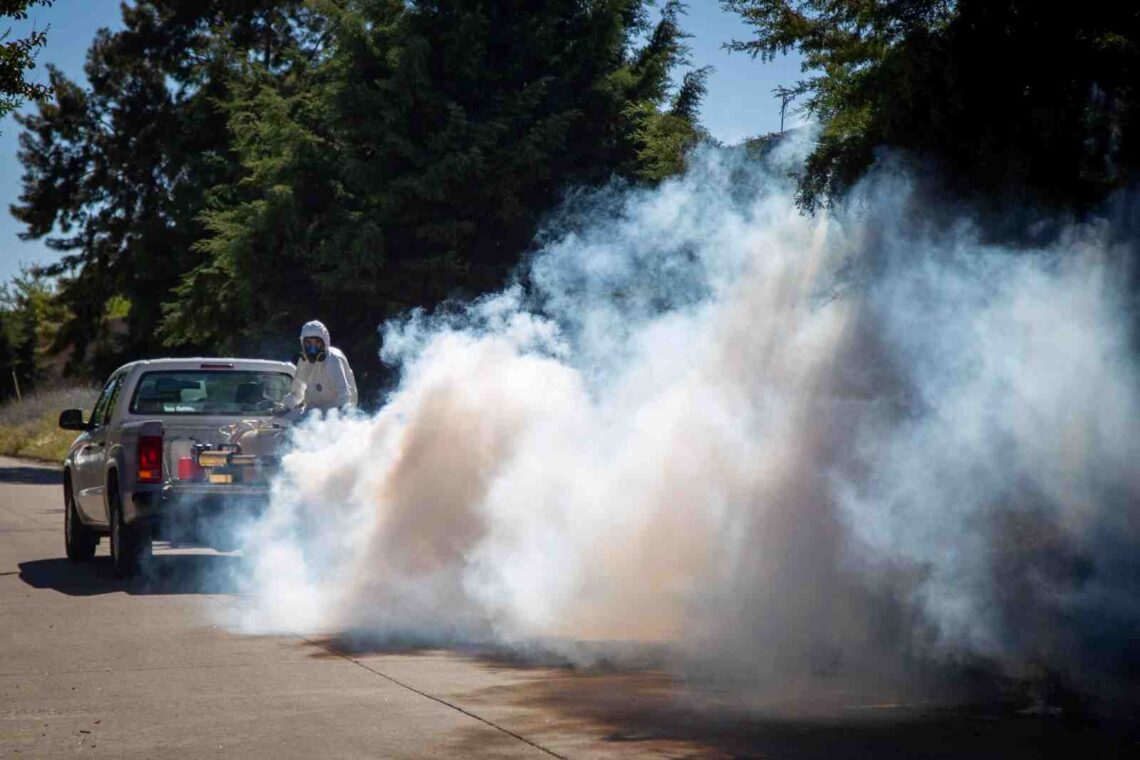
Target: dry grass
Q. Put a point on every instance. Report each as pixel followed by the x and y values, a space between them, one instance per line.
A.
pixel 29 428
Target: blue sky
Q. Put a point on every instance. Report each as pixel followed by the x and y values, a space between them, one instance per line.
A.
pixel 739 103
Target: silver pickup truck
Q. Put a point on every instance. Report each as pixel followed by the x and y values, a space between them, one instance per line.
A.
pixel 162 455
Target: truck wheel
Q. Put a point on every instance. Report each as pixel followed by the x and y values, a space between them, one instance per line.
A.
pixel 130 544
pixel 78 540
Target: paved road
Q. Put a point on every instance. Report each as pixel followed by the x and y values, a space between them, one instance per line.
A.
pixel 94 666
pixel 91 666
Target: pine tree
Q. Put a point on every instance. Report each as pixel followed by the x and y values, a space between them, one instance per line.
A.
pixel 116 175
pixel 416 161
pixel 1011 99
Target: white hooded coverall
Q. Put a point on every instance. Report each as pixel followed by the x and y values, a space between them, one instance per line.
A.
pixel 325 384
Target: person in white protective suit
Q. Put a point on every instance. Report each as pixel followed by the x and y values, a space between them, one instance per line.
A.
pixel 323 379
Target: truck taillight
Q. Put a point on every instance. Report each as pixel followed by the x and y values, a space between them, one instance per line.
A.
pixel 150 458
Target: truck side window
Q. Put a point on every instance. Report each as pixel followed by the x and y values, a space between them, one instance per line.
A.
pixel 102 407
pixel 101 404
pixel 115 394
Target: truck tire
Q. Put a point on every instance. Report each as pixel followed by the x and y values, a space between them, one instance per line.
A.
pixel 79 541
pixel 130 544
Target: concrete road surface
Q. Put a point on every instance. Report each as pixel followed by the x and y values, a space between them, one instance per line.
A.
pixel 91 666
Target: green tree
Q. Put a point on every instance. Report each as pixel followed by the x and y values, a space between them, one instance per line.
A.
pixel 116 175
pixel 416 161
pixel 665 137
pixel 30 319
pixel 18 56
pixel 237 167
pixel 1013 99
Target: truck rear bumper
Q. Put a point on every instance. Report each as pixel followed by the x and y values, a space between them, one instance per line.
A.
pixel 182 503
pixel 216 517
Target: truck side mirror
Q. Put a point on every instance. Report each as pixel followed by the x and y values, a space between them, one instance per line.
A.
pixel 72 419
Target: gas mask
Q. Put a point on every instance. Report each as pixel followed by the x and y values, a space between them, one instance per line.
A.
pixel 314 349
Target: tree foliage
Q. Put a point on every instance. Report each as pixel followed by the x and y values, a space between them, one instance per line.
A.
pixel 30 320
pixel 415 162
pixel 18 57
pixel 116 176
pixel 237 167
pixel 1013 99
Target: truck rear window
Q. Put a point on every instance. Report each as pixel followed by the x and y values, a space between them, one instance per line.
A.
pixel 209 392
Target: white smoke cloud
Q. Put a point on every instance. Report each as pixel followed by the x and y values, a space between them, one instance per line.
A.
pixel 787 445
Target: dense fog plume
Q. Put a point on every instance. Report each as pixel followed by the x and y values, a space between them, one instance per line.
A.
pixel 788 446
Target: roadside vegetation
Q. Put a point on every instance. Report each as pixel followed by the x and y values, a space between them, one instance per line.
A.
pixel 29 428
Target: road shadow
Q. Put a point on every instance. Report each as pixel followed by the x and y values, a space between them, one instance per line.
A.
pixel 161 574
pixel 38 476
pixel 654 712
